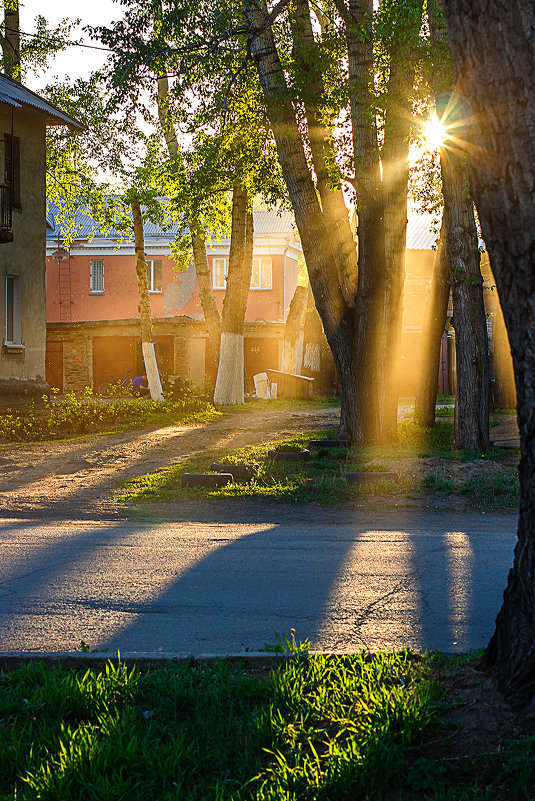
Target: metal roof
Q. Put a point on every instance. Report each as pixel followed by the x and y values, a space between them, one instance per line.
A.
pixel 422 233
pixel 17 95
pixel 266 223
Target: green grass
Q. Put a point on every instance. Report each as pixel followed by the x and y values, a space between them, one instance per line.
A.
pixel 322 478
pixel 326 728
pixel 75 416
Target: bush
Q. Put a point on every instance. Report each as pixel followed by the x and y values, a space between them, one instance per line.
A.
pixel 72 416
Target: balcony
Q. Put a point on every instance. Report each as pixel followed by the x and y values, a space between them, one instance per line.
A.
pixel 6 209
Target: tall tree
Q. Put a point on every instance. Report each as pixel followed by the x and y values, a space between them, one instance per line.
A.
pixel 497 82
pixel 432 330
pixel 147 339
pixel 356 324
pixel 471 422
pixel 229 388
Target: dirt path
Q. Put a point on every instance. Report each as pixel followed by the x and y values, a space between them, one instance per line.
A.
pixel 78 478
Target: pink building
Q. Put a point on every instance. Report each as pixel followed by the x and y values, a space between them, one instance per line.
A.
pixel 94 283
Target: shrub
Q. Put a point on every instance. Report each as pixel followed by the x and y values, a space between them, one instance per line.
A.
pixel 59 419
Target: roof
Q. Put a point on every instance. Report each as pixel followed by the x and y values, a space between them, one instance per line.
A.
pixel 266 223
pixel 422 233
pixel 16 95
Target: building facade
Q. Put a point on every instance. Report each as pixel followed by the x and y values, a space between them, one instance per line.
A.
pixel 92 302
pixel 23 120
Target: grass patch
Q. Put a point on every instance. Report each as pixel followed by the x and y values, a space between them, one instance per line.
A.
pixel 74 416
pixel 322 480
pixel 317 727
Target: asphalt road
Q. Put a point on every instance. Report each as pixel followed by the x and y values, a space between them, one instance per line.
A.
pixel 345 580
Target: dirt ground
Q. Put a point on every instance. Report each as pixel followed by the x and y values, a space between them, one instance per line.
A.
pixel 81 477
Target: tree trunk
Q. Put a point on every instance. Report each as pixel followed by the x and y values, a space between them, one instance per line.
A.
pixel 294 332
pixel 314 228
pixel 471 422
pixel 229 388
pixel 498 82
pixel 147 341
pixel 433 328
pixel 11 40
pixel 368 381
pixel 202 268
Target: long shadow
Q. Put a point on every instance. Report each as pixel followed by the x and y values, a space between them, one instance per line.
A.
pixel 184 442
pixel 344 580
pixel 369 583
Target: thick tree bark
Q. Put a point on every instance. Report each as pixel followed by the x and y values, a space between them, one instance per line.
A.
pixel 368 382
pixel 229 388
pixel 312 90
pixel 497 82
pixel 471 420
pixel 471 425
pixel 294 332
pixel 202 268
pixel 147 340
pixel 314 227
pixel 433 328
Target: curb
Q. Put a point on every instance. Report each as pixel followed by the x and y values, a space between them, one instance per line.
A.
pixel 12 660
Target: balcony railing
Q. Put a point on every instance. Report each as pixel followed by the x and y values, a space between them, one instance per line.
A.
pixel 6 208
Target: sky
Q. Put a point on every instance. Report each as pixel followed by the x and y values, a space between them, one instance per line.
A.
pixel 75 61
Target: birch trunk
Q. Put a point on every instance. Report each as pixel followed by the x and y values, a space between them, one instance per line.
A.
pixel 198 243
pixel 229 388
pixel 498 83
pixel 147 341
pixel 433 329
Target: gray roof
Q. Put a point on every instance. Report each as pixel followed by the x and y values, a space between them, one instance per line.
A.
pixel 17 96
pixel 266 223
pixel 422 233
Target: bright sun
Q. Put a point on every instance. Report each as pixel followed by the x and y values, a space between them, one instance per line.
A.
pixel 434 133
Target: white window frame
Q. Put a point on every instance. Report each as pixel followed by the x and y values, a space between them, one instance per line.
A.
pixel 215 259
pixel 150 276
pixel 96 288
pixel 13 327
pixel 258 285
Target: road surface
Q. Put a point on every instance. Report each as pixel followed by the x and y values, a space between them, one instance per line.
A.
pixel 219 583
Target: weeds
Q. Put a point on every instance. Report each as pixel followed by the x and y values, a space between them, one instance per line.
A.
pixel 74 416
pixel 317 727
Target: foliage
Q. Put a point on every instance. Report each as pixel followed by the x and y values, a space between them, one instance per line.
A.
pixel 317 725
pixel 321 479
pixel 74 416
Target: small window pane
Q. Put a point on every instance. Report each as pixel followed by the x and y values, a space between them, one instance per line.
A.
pixel 255 274
pixel 96 277
pixel 157 276
pixel 219 268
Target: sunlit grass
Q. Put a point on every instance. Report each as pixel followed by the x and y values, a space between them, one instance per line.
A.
pixel 322 479
pixel 315 726
pixel 328 728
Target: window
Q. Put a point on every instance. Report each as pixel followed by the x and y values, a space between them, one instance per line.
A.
pixel 13 310
pixel 154 275
pixel 96 276
pixel 261 277
pixel 219 267
pixel 12 167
